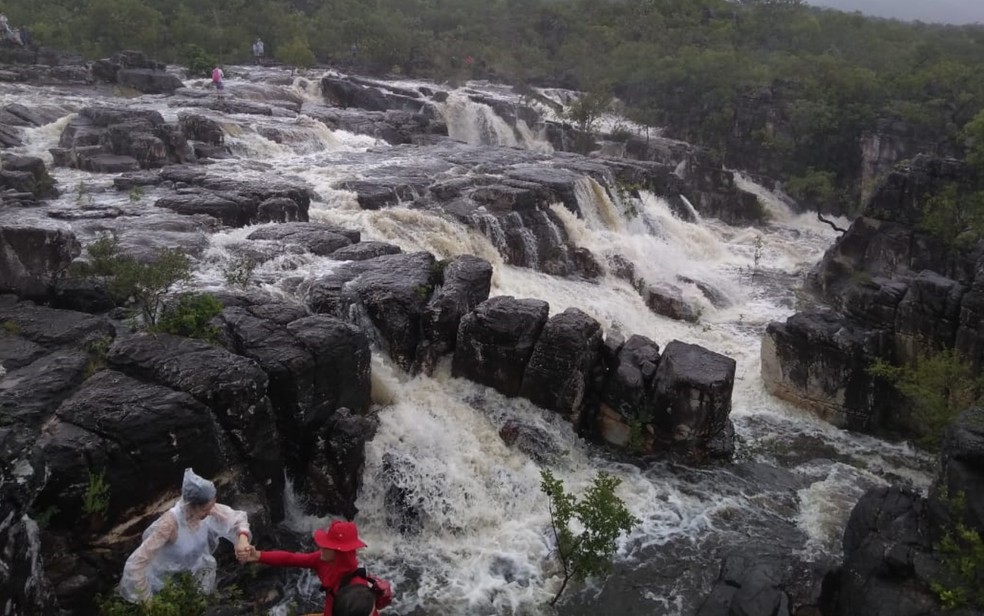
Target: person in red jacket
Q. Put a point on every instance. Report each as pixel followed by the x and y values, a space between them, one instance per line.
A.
pixel 335 562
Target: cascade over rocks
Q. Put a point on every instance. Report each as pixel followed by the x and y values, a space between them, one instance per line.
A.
pixel 287 392
pixel 624 393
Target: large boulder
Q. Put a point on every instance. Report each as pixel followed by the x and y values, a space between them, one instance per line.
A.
pixel 233 387
pixel 820 361
pixel 317 238
pixel 466 282
pixel 888 560
pixel 496 341
pixel 316 365
pixel 148 81
pixel 386 297
pixel 628 391
pixel 132 433
pixel 560 368
pixel 33 258
pixel 693 399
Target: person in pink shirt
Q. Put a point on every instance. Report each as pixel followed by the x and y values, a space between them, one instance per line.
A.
pixel 335 563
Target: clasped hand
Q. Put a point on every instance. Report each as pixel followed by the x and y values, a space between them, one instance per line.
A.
pixel 247 554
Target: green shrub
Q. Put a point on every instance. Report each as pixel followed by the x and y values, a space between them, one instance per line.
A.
pixel 296 53
pixel 198 61
pixel 962 552
pixel 601 517
pixel 143 285
pixel 190 316
pixel 239 271
pixel 954 216
pixel 95 501
pixel 939 387
pixel 180 596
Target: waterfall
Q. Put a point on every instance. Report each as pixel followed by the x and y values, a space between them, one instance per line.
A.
pixel 474 533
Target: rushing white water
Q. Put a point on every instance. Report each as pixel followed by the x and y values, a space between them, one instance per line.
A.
pixel 479 540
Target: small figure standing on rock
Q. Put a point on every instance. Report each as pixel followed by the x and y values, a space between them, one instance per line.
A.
pixel 258 50
pixel 183 539
pixel 217 77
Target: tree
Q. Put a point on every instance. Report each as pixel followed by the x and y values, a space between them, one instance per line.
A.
pixel 296 54
pixel 600 515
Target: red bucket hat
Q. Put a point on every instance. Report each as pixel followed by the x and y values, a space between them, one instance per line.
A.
pixel 340 536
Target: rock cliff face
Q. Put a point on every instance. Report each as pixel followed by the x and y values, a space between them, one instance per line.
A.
pixel 896 293
pixel 892 544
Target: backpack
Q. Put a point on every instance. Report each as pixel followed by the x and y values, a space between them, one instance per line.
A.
pixel 384 593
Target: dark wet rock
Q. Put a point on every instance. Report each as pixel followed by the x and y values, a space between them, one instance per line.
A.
pixel 628 389
pixel 32 259
pixel 819 361
pixel 137 434
pixel 962 465
pixel 693 397
pixel 392 126
pixel 336 470
pixel 403 510
pixel 928 316
pixel 888 560
pixel 52 328
pixel 892 543
pixel 365 250
pixel 202 129
pixel 496 340
pixel 233 213
pixel 378 193
pixel 234 387
pixel 317 238
pixel 236 203
pixel 386 297
pixel 316 365
pixel 127 181
pixel 559 370
pixel 108 163
pixel 27 174
pixel 749 586
pixel 465 283
pixel 99 133
pixel 231 106
pixel 345 93
pixel 530 440
pixel 148 81
pixel 108 69
pixel 278 209
pixel 667 300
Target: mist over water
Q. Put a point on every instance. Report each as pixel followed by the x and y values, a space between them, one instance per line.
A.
pixel 478 541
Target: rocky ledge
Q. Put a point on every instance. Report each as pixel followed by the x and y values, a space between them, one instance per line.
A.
pixel 891 291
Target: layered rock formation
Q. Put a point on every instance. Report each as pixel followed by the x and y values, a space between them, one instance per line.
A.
pixel 895 292
pixel 895 557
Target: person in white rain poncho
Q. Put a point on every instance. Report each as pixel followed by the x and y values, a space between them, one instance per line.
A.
pixel 183 539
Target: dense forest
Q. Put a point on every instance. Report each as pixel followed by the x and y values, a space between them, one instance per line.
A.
pixel 772 86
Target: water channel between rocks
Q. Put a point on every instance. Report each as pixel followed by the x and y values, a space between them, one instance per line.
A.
pixel 479 543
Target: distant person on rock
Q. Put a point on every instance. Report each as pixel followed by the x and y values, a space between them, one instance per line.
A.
pixel 183 539
pixel 217 80
pixel 335 563
pixel 355 50
pixel 257 50
pixel 4 24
